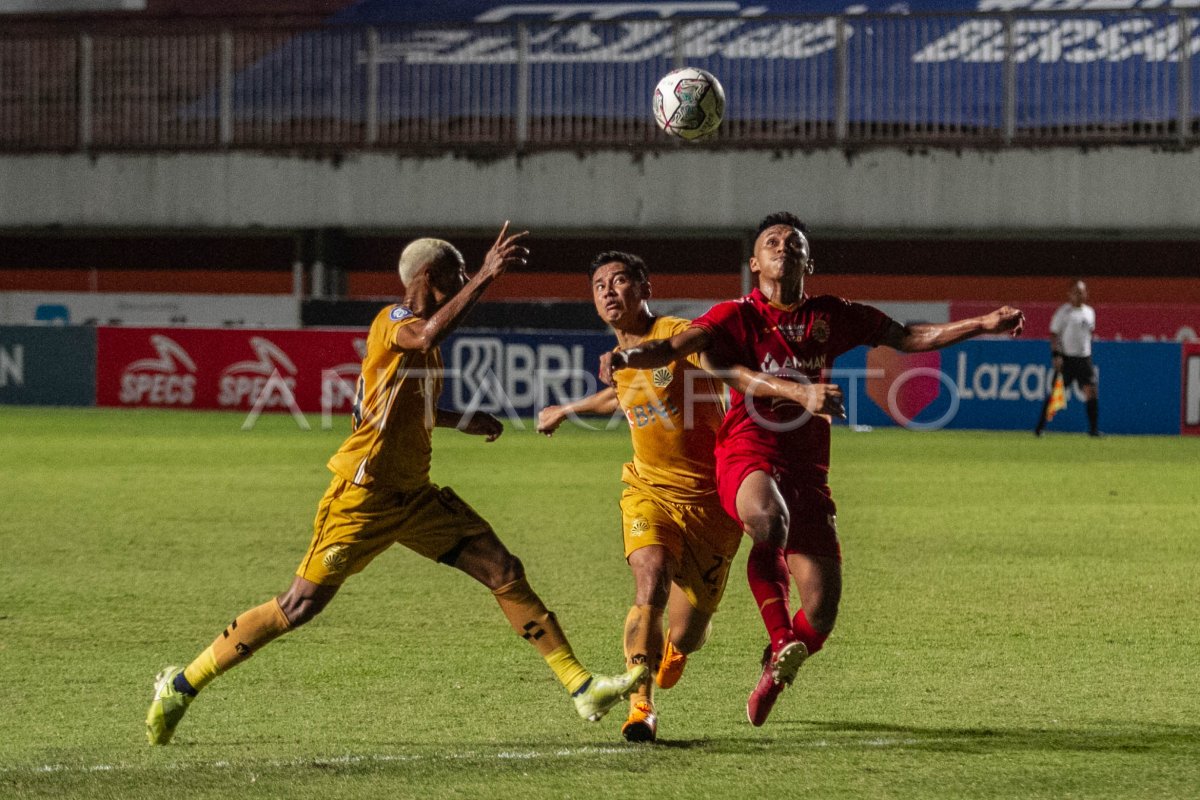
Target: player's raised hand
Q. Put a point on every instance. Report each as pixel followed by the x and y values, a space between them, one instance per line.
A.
pixel 549 419
pixel 504 253
pixel 1004 319
pixel 482 424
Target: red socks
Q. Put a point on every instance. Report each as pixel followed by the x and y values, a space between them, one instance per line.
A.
pixel 767 573
pixel 805 632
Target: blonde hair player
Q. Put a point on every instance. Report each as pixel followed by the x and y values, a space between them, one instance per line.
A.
pixel 381 494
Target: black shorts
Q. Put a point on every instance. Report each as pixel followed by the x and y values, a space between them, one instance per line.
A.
pixel 1078 369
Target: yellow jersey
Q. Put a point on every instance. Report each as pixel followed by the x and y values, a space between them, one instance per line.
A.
pixel 672 448
pixel 395 407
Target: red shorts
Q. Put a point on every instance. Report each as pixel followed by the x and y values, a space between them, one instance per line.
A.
pixel 813 514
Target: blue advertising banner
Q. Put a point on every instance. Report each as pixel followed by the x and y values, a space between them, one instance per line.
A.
pixel 515 375
pixel 1000 385
pixel 47 366
pixel 982 384
pixel 778 61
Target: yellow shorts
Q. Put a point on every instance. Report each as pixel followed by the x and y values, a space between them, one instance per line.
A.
pixel 701 538
pixel 354 524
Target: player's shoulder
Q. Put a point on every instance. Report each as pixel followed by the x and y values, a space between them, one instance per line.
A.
pixel 391 316
pixel 667 326
pixel 388 320
pixel 826 301
pixel 396 312
pixel 832 303
pixel 727 309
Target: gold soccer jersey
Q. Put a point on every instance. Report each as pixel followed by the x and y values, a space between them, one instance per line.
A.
pixel 674 413
pixel 395 406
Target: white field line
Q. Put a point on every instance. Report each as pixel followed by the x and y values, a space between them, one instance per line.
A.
pixel 505 755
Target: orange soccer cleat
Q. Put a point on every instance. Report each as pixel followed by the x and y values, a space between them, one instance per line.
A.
pixel 671 668
pixel 642 725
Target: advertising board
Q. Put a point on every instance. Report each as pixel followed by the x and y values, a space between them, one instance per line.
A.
pixel 47 366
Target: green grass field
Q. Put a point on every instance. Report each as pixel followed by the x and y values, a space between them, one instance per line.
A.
pixel 1020 621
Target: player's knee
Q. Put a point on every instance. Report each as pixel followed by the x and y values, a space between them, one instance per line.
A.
pixel 300 609
pixel 651 575
pixel 767 526
pixel 508 568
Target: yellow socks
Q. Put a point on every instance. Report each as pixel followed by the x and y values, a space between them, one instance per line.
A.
pixel 245 635
pixel 536 624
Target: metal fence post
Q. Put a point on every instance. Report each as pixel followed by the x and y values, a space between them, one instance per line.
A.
pixel 841 111
pixel 522 132
pixel 84 96
pixel 225 114
pixel 1185 77
pixel 1010 80
pixel 372 132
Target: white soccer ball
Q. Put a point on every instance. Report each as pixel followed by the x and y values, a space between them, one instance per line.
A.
pixel 689 103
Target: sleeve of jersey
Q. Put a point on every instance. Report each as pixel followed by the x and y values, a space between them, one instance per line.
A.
pixel 722 323
pixel 673 326
pixel 389 321
pixel 864 324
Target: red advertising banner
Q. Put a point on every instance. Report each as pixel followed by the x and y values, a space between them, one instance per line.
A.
pixel 1154 322
pixel 1190 424
pixel 248 370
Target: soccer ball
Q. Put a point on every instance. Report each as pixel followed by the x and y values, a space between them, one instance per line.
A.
pixel 689 103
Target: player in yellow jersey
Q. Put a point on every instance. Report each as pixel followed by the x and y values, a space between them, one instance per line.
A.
pixel 381 494
pixel 678 540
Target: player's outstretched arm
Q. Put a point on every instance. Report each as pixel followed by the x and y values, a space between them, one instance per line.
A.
pixel 424 335
pixel 602 402
pixel 816 398
pixel 478 423
pixel 654 352
pixel 926 336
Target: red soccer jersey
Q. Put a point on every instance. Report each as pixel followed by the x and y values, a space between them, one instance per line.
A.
pixel 787 341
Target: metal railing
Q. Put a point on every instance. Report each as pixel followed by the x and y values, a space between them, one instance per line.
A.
pixel 960 80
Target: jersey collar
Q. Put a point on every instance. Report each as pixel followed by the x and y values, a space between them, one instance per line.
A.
pixel 759 297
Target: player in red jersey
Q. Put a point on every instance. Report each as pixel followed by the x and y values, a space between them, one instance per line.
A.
pixel 773 453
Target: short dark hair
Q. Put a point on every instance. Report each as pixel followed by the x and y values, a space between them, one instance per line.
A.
pixel 635 264
pixel 781 218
